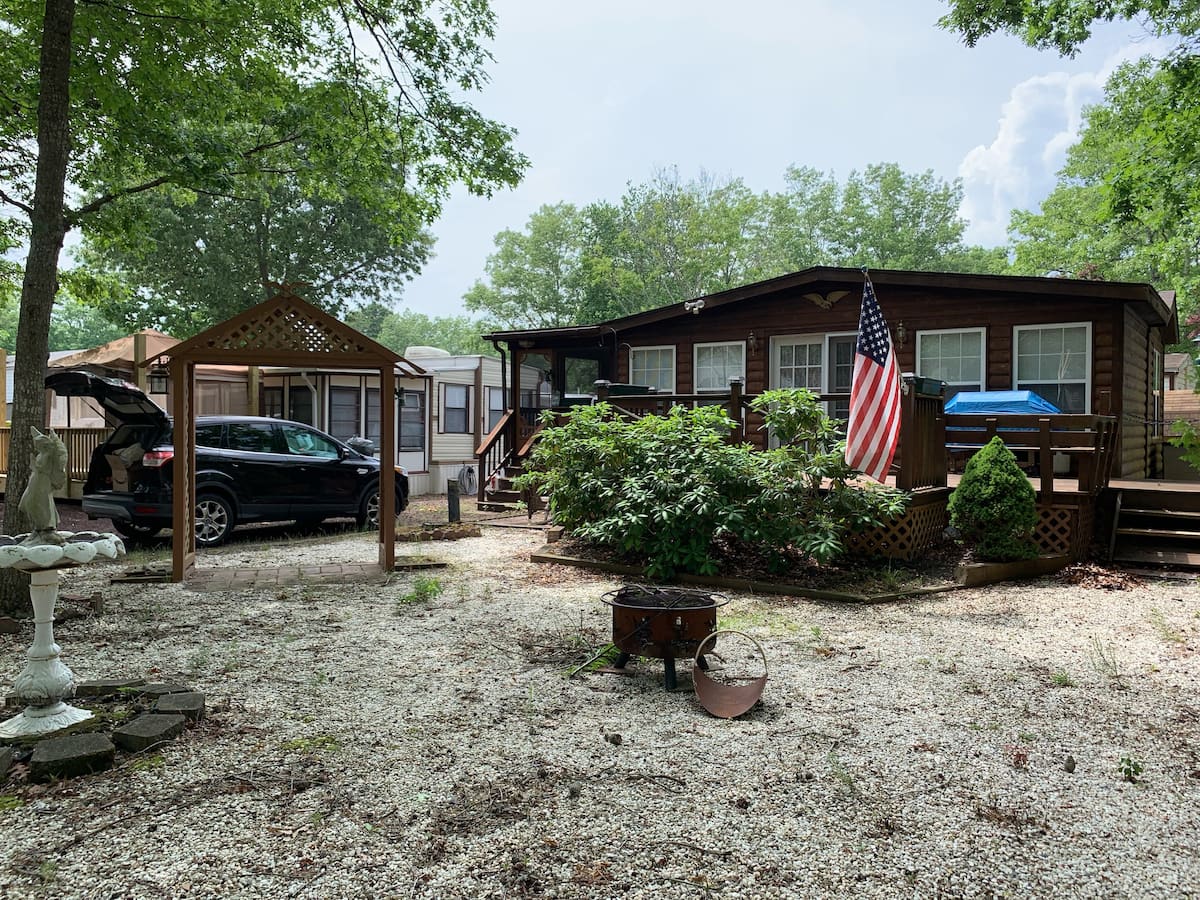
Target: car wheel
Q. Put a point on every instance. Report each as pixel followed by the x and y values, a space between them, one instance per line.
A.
pixel 134 531
pixel 368 513
pixel 214 519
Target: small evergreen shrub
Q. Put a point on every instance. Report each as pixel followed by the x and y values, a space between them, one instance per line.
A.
pixel 666 487
pixel 994 507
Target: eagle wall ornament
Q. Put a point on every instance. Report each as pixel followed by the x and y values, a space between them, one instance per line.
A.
pixel 826 301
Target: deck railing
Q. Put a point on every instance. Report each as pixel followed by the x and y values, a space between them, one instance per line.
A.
pixel 1086 440
pixel 929 438
pixel 921 456
pixel 81 443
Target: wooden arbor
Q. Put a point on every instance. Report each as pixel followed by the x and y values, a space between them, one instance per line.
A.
pixel 284 331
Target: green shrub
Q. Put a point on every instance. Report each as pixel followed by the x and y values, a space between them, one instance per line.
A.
pixel 666 487
pixel 1187 438
pixel 994 506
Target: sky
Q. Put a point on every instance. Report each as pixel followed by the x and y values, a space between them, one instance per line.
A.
pixel 602 95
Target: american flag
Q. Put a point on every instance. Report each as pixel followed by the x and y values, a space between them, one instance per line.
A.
pixel 874 425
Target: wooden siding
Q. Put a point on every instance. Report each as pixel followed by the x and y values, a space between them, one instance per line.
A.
pixel 1136 402
pixel 920 310
pixel 826 302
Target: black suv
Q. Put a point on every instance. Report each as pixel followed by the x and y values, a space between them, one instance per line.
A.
pixel 248 469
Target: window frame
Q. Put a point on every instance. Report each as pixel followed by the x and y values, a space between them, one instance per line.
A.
pixel 444 407
pixel 401 407
pixel 1088 360
pixel 674 365
pixel 495 413
pixel 983 348
pixel 346 390
pixel 704 345
pixel 811 339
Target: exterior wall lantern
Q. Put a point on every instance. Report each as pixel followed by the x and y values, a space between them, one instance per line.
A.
pixel 157 381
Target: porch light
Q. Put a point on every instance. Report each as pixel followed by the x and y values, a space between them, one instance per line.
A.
pixel 901 333
pixel 752 343
pixel 158 381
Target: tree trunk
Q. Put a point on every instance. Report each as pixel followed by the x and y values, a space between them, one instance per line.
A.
pixel 49 226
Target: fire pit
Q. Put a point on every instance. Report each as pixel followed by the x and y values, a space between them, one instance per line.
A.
pixel 664 623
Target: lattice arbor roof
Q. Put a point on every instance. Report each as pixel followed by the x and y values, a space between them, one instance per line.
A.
pixel 286 330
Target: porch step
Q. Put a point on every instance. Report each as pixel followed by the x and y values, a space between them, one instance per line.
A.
pixel 1159 532
pixel 1188 559
pixel 504 496
pixel 1172 513
pixel 1147 534
pixel 492 506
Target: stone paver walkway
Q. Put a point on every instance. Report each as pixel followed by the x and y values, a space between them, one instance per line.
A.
pixel 229 579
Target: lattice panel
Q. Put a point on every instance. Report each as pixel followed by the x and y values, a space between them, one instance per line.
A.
pixel 281 326
pixel 1065 529
pixel 1054 529
pixel 903 538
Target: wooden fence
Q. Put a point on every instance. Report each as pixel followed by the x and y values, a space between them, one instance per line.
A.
pixel 81 443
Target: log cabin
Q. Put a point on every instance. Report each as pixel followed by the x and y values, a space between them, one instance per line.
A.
pixel 1092 348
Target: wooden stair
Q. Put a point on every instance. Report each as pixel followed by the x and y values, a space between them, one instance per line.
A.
pixel 502 496
pixel 1156 528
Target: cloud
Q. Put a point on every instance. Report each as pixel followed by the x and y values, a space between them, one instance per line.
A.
pixel 1038 123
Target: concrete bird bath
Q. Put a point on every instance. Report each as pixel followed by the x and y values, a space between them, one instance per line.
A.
pixel 44 552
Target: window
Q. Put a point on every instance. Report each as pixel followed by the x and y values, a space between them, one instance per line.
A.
pixel 251 438
pixel 1054 361
pixel 954 356
pixel 798 363
pixel 456 412
pixel 841 372
pixel 343 412
pixel 374 426
pixel 717 364
pixel 303 442
pixel 653 366
pixel 411 420
pixel 272 402
pixel 208 435
pixel 300 404
pixel 495 407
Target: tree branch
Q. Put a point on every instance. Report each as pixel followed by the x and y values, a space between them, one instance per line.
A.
pixel 333 279
pixel 270 145
pixel 141 13
pixel 74 217
pixel 28 210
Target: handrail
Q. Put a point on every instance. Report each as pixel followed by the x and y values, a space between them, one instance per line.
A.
pixel 494 452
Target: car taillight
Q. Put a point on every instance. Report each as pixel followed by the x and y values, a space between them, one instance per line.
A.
pixel 156 458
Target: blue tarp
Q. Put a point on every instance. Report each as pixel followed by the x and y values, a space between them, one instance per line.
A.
pixel 999 403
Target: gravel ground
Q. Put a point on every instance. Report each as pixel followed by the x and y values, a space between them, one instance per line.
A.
pixel 363 741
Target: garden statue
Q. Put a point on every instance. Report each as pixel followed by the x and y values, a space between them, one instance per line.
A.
pixel 49 474
pixel 43 552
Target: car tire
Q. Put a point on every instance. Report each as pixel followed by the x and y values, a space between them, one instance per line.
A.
pixel 134 531
pixel 215 518
pixel 368 511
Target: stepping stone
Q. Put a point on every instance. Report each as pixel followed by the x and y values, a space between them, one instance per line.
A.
pixel 190 704
pixel 9 625
pixel 148 730
pixel 158 689
pixel 6 758
pixel 70 756
pixel 104 687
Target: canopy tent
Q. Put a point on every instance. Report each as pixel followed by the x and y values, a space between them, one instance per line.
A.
pixel 119 354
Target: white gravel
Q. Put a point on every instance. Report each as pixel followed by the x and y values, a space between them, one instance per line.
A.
pixel 358 745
